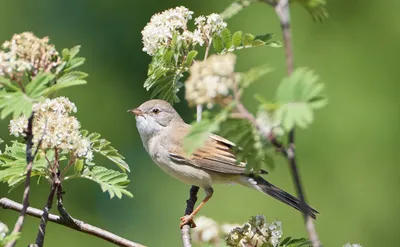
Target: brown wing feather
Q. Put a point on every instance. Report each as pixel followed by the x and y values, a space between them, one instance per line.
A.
pixel 215 155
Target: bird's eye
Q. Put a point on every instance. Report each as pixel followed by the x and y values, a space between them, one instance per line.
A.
pixel 156 110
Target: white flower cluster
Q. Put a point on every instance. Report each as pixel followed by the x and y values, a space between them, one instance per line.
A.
pixel 53 125
pixel 257 232
pixel 209 231
pixel 352 245
pixel 3 230
pixel 267 123
pixel 158 33
pixel 210 81
pixel 209 25
pixel 26 52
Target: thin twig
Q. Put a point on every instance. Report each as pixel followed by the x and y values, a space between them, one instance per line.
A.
pixel 45 216
pixel 80 226
pixel 283 13
pixel 190 203
pixel 25 197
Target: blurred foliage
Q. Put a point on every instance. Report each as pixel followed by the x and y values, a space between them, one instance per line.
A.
pixel 348 158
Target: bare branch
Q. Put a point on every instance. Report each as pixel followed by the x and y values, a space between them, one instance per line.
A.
pixel 25 197
pixel 283 13
pixel 190 203
pixel 80 226
pixel 45 215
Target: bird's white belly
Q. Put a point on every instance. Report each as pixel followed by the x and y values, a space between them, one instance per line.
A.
pixel 185 173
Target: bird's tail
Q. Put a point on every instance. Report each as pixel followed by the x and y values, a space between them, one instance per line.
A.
pixel 258 183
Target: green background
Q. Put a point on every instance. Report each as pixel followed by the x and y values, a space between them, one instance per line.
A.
pixel 348 158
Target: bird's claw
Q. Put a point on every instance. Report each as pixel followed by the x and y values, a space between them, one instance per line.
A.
pixel 187 220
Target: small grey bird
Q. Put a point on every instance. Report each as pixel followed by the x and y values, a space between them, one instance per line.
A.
pixel 162 131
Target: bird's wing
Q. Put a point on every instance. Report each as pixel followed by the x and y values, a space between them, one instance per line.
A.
pixel 215 155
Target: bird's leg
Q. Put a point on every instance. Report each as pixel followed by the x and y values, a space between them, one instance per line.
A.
pixel 188 219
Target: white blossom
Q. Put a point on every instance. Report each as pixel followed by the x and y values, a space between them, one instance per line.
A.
pixel 268 124
pixel 210 81
pixel 352 245
pixel 55 128
pixel 210 25
pixel 206 231
pixel 257 232
pixel 163 26
pixel 26 52
pixel 3 230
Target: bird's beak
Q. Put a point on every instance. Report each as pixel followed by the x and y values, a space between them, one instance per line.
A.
pixel 136 111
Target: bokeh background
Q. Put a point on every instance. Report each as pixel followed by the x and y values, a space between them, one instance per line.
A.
pixel 348 158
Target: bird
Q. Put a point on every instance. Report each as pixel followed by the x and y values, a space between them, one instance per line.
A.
pixel 162 131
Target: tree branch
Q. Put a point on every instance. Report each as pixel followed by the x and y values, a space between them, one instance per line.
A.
pixel 283 13
pixel 45 216
pixel 80 226
pixel 25 197
pixel 190 203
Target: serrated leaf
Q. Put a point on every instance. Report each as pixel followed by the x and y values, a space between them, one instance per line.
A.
pixel 7 83
pixel 74 63
pixel 72 76
pixel 13 164
pixel 218 43
pixel 248 39
pixel 59 86
pixel 103 147
pixel 247 78
pixel 36 87
pixel 298 95
pixel 110 181
pixel 235 8
pixel 190 57
pixel 15 103
pixel 74 51
pixel 226 38
pixel 237 38
pixel 201 130
pixel 316 8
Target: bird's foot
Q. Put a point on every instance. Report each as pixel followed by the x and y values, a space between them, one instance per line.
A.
pixel 187 220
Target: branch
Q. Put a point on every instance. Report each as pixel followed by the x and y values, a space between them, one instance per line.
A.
pixel 283 13
pixel 80 226
pixel 190 203
pixel 45 216
pixel 25 197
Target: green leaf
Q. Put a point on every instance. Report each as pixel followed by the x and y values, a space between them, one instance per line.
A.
pixel 74 63
pixel 251 147
pixel 201 130
pixel 298 95
pixel 317 8
pixel 13 164
pixel 226 37
pixel 248 39
pixel 7 83
pixel 72 76
pixel 15 103
pixel 218 43
pixel 235 8
pixel 36 87
pixel 110 181
pixel 190 57
pixel 78 166
pixel 59 86
pixel 103 147
pixel 247 78
pixel 237 38
pixel 74 51
pixel 291 242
